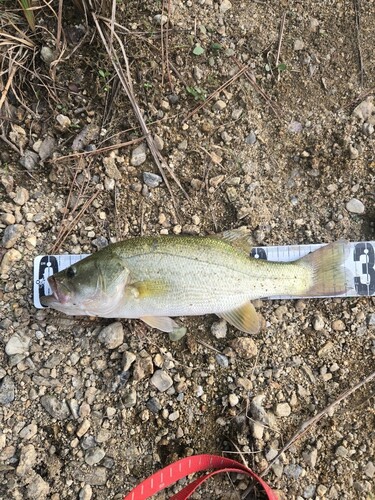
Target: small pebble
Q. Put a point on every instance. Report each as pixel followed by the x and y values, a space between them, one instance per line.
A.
pixel 94 455
pixel 245 347
pixel 327 347
pixel 128 359
pixel 17 344
pixel 57 409
pixel 47 55
pixel 112 336
pixel 138 156
pixel 233 399
pixel 11 235
pixel 29 160
pixel 27 460
pixel 85 493
pixel 309 491
pixel 64 121
pixel 154 405
pixel 310 457
pixel 37 489
pixel 7 390
pixel 251 138
pixel 318 323
pixel 283 410
pixel 341 451
pixel 152 180
pixel 293 471
pixel 161 380
pixel 369 470
pixel 353 152
pixel 222 360
pixel 177 334
pixel 219 329
pixel 225 5
pixel 355 206
pixel 47 147
pixel 219 105
pixel 298 45
pixel 28 432
pixel 22 196
pixel 338 325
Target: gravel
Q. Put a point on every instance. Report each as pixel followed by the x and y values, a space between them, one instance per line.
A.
pixel 282 151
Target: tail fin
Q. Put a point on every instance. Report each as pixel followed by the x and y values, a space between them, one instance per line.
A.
pixel 329 276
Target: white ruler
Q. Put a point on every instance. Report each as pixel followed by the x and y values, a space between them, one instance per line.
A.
pixel 359 266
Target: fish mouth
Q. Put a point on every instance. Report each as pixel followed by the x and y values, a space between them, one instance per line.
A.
pixel 58 295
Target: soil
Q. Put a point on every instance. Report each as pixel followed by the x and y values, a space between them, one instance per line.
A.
pixel 281 149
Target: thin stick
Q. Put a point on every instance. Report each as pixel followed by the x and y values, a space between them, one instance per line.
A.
pixel 280 39
pixel 357 8
pixel 7 85
pixel 219 89
pixel 59 23
pixel 69 229
pixel 315 419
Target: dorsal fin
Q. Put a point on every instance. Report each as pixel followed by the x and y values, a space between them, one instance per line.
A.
pixel 239 238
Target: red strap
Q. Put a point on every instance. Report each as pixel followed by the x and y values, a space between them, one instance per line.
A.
pixel 196 463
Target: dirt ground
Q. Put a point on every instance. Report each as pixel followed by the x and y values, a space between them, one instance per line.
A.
pixel 283 144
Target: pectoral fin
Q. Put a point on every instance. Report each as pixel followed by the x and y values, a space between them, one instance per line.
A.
pixel 163 323
pixel 245 318
pixel 151 288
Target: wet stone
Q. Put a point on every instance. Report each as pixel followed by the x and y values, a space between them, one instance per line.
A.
pixel 57 409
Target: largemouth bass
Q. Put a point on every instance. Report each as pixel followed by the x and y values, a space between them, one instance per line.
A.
pixel 157 278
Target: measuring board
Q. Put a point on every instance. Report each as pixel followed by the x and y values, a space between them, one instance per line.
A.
pixel 359 266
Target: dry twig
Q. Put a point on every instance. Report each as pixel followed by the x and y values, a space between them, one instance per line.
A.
pixel 315 419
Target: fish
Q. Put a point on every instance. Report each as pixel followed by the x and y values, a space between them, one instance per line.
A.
pixel 158 278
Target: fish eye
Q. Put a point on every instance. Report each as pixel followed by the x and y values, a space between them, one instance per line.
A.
pixel 71 272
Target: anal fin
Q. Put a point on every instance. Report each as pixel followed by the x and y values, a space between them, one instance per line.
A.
pixel 244 318
pixel 162 323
